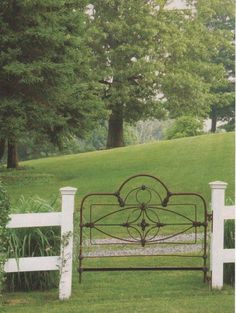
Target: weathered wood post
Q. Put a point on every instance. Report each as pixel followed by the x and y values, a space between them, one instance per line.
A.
pixel 68 201
pixel 221 212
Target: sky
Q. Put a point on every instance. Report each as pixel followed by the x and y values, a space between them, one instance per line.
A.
pixel 176 4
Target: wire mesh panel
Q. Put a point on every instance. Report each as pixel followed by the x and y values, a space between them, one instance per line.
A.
pixel 143 218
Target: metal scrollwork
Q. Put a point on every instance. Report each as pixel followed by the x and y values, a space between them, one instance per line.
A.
pixel 141 211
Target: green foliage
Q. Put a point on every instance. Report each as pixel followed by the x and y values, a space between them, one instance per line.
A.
pixel 96 140
pixel 30 147
pixel 229 243
pixel 161 62
pixel 33 242
pixel 220 23
pixel 130 135
pixel 200 60
pixel 230 126
pixel 34 204
pixel 48 87
pixel 143 131
pixel 151 130
pixel 26 242
pixel 60 67
pixel 4 236
pixel 125 47
pixel 185 126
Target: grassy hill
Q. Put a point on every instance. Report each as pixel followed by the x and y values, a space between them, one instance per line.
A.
pixel 186 164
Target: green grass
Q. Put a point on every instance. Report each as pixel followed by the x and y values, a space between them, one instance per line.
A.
pixel 142 292
pixel 187 164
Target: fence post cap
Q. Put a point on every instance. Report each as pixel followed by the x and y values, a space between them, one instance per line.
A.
pixel 68 190
pixel 218 185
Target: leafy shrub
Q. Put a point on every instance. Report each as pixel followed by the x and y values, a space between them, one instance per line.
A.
pixel 185 126
pixel 4 217
pixel 229 243
pixel 26 242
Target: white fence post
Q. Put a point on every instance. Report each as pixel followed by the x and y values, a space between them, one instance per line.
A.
pixel 217 238
pixel 68 200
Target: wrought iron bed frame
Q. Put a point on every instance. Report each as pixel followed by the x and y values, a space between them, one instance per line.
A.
pixel 143 224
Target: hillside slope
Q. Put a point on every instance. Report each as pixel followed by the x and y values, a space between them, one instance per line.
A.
pixel 186 164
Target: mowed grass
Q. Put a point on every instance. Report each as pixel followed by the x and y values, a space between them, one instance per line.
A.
pixel 129 292
pixel 188 165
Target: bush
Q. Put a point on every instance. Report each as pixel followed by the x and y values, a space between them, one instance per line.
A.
pixel 4 217
pixel 26 242
pixel 229 243
pixel 185 126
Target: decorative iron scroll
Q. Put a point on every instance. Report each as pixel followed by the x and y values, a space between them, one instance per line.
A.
pixel 144 215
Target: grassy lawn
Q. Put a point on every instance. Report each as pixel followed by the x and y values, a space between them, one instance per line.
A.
pixel 188 165
pixel 160 292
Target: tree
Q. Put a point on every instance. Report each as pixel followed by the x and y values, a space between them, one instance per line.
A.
pixel 157 62
pixel 126 49
pixel 220 22
pixel 223 105
pixel 199 73
pixel 48 88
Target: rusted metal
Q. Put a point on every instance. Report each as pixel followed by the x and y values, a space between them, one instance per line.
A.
pixel 141 221
pixel 163 268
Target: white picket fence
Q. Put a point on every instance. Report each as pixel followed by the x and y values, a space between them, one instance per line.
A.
pixel 62 263
pixel 64 219
pixel 221 212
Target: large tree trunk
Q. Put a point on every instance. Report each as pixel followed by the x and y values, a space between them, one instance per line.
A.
pixel 2 148
pixel 213 120
pixel 115 130
pixel 12 157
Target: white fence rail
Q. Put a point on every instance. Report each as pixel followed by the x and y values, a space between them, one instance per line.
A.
pixel 221 212
pixel 63 263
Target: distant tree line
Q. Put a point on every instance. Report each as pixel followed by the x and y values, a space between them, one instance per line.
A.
pixel 67 67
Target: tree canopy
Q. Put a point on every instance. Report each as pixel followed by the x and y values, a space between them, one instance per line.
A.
pixel 62 69
pixel 127 51
pixel 200 59
pixel 48 88
pixel 161 62
pixel 219 21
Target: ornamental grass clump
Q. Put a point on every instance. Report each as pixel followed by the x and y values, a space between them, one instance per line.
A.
pixel 229 243
pixel 32 242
